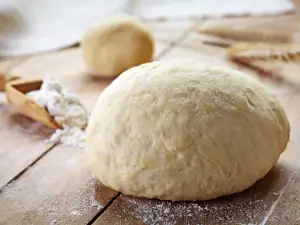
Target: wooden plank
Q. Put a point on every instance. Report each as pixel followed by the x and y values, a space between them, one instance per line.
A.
pixel 206 55
pixel 5 64
pixel 22 142
pixel 58 189
pixel 287 210
pixel 250 206
pixel 170 31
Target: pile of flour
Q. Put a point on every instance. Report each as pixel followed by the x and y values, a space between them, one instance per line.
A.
pixel 66 110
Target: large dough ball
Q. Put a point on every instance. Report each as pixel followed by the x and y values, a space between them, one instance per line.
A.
pixel 178 131
pixel 117 44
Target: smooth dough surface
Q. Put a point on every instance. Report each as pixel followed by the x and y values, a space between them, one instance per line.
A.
pixel 175 130
pixel 116 44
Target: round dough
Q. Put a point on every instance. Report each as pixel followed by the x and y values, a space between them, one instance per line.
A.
pixel 175 130
pixel 117 44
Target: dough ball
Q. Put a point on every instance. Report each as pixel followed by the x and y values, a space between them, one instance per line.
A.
pixel 175 130
pixel 117 44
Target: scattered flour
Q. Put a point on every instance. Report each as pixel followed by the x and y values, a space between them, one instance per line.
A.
pixel 166 212
pixel 66 110
pixel 66 195
pixel 69 136
pixel 245 208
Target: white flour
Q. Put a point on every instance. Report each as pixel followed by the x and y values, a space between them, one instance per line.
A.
pixel 66 110
pixel 243 209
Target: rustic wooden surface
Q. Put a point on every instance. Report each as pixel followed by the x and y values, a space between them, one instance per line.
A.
pixel 40 185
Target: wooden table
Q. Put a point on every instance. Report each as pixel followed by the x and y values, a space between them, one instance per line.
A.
pixel 53 186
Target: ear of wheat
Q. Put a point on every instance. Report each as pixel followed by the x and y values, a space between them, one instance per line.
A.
pixel 283 52
pixel 248 35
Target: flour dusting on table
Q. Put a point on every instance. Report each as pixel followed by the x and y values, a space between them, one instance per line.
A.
pixel 66 110
pixel 244 209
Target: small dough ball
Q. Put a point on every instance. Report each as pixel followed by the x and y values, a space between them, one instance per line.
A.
pixel 175 130
pixel 117 44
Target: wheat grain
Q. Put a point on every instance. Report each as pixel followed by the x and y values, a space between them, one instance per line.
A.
pixel 283 52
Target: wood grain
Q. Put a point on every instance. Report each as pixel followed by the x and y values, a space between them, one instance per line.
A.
pixel 58 190
pixel 287 210
pixel 250 206
pixel 167 31
pixel 22 142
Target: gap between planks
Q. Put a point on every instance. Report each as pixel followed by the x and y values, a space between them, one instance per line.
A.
pixel 103 209
pixel 267 217
pixel 183 37
pixel 16 177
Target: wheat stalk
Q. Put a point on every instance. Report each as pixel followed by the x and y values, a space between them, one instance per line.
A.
pixel 283 52
pixel 248 35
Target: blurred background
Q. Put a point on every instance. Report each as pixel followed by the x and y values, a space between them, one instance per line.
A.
pixel 28 27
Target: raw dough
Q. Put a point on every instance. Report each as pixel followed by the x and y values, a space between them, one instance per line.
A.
pixel 178 131
pixel 117 44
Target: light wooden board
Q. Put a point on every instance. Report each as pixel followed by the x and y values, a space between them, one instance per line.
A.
pixel 22 142
pixel 287 210
pixel 167 31
pixel 57 188
pixel 250 206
